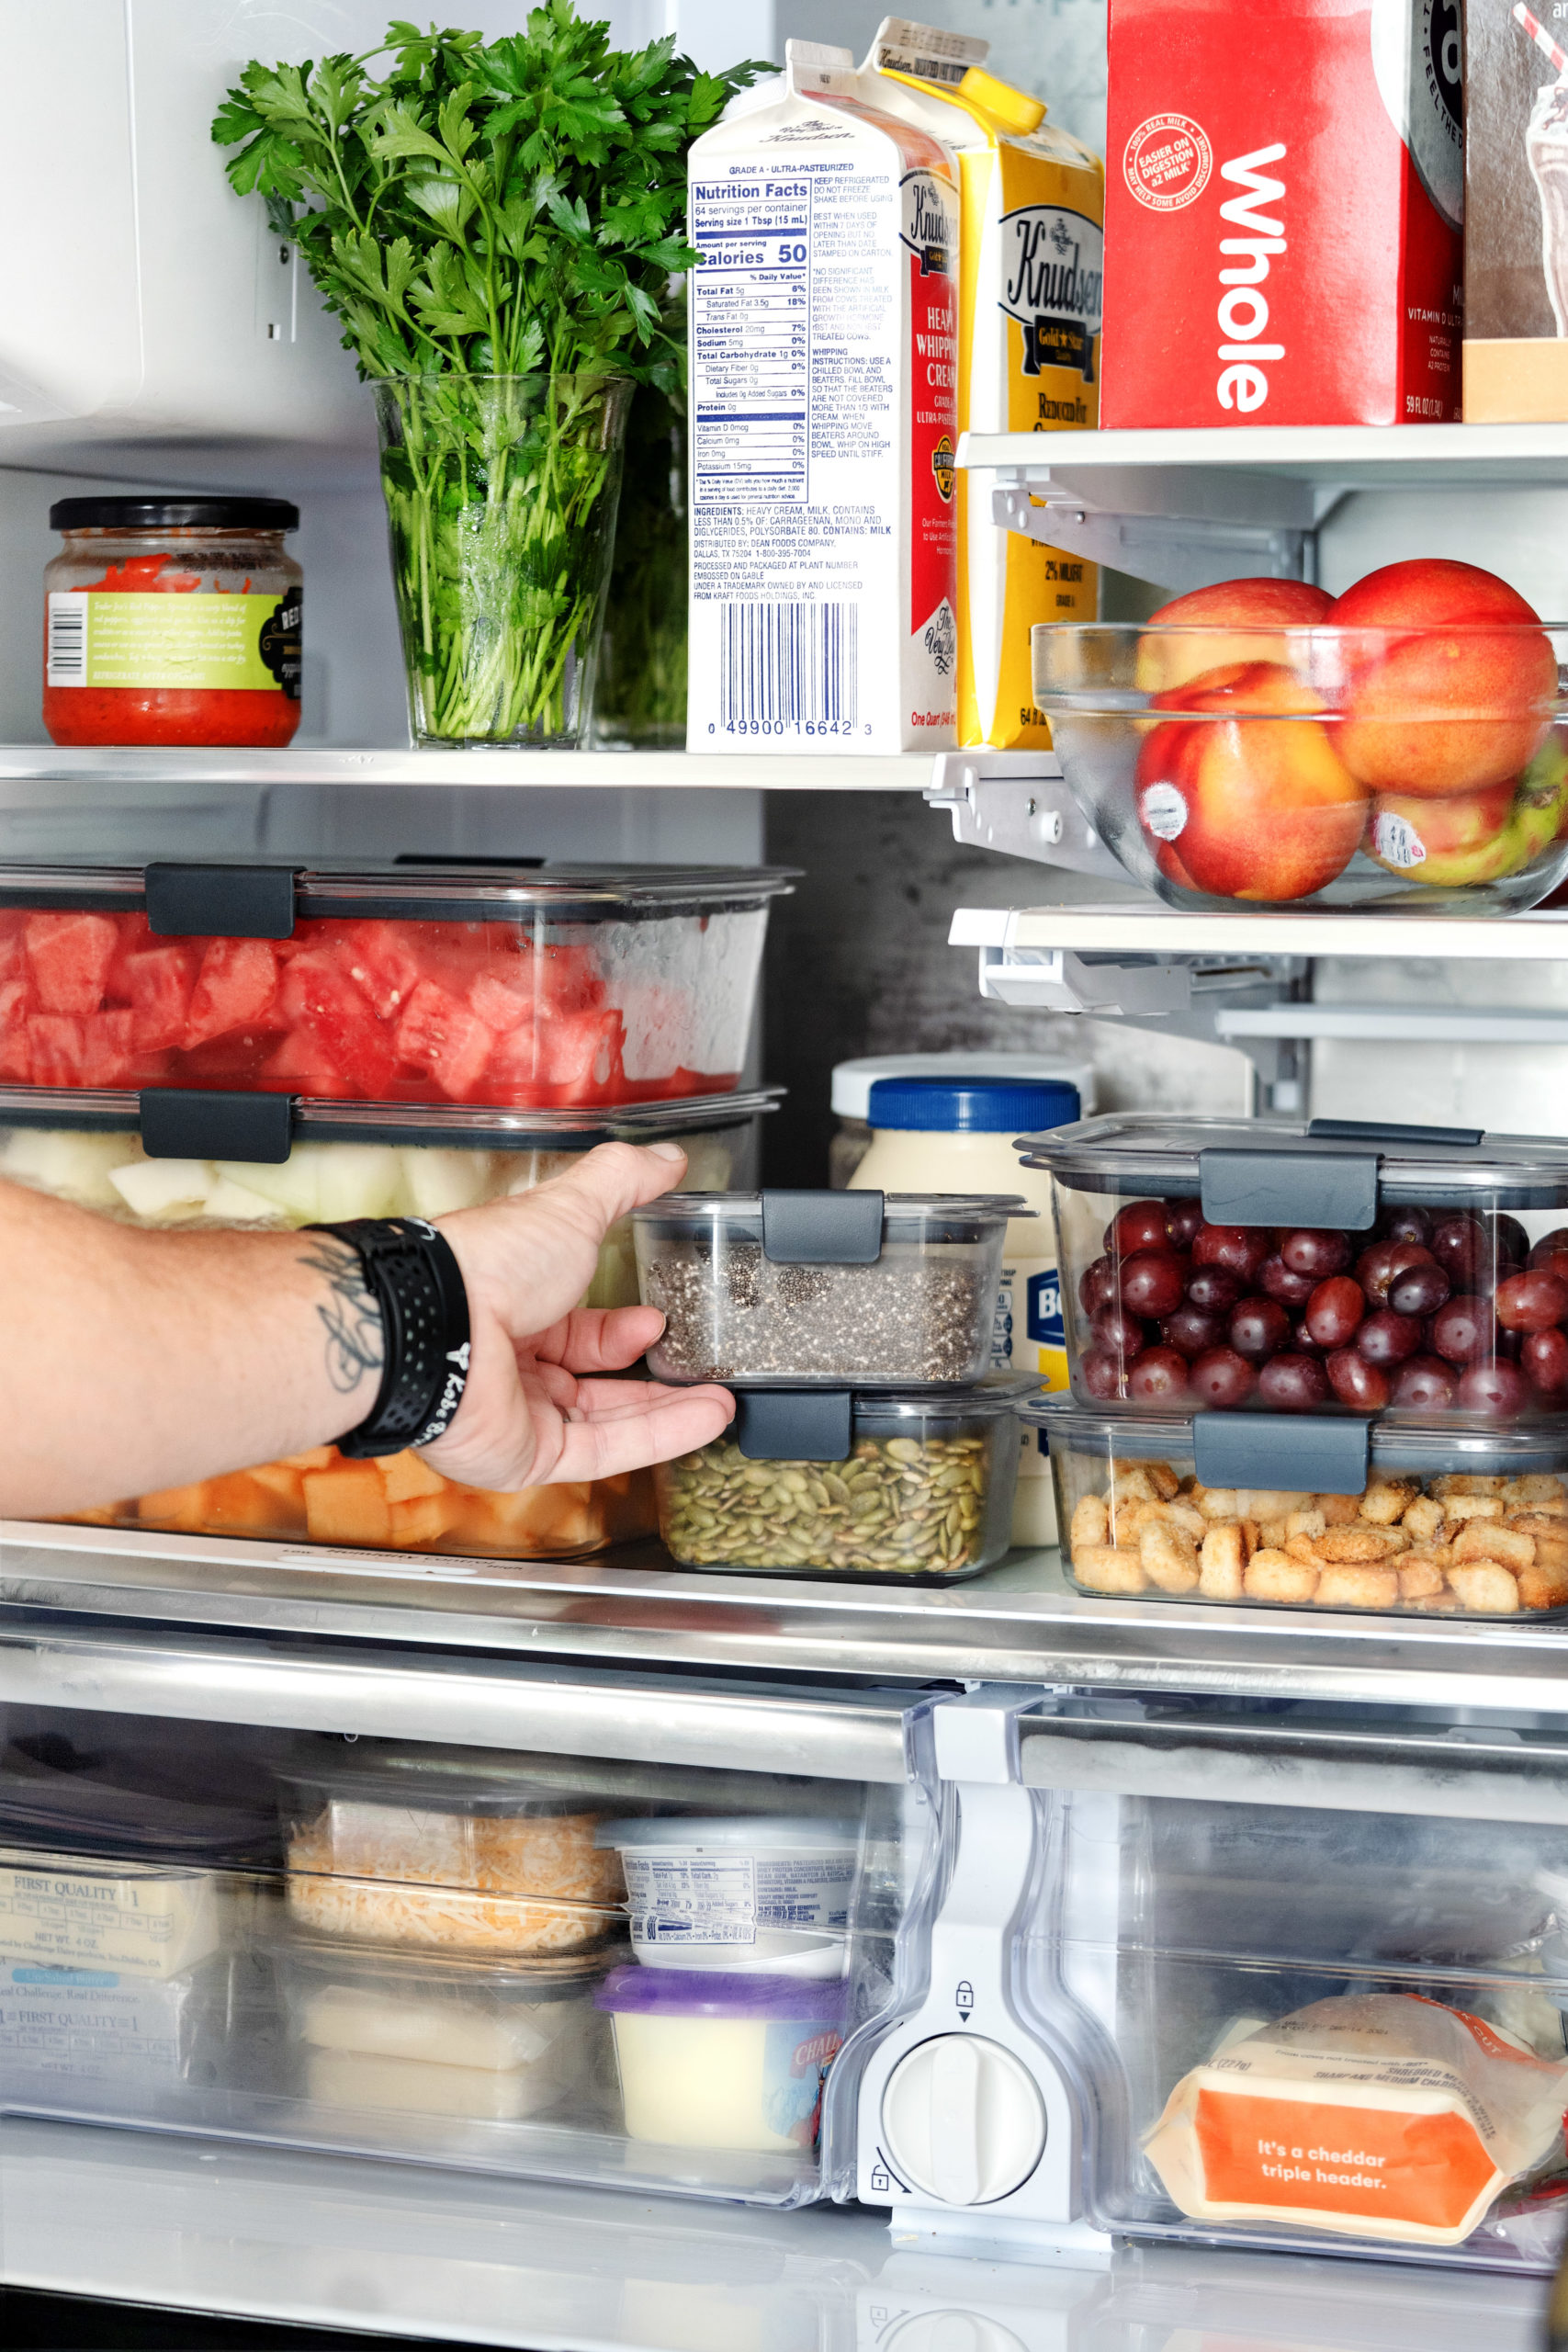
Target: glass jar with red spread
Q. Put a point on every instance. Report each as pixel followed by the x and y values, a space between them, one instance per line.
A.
pixel 171 620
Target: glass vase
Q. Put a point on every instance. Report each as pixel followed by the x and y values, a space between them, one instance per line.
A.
pixel 501 505
pixel 641 699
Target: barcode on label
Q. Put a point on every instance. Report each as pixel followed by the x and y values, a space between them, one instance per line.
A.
pixel 67 662
pixel 790 665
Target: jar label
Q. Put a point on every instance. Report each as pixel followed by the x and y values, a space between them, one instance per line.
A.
pixel 152 638
pixel 1027 1334
pixel 686 1900
pixel 795 2059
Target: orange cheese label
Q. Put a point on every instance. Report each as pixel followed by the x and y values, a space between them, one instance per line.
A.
pixel 1390 2167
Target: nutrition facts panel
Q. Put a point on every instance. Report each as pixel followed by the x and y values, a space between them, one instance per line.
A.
pixel 751 339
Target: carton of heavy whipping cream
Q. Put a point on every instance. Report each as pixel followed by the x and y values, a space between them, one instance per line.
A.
pixel 1284 190
pixel 823 421
pixel 1030 278
pixel 1375 2115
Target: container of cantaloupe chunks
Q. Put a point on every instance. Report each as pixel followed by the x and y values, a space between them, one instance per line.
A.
pixel 1400 1518
pixel 110 1152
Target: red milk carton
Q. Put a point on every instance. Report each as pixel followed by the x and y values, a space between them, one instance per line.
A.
pixel 1283 194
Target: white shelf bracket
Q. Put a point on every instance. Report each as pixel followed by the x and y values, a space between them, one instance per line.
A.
pixel 1179 529
pixel 1017 803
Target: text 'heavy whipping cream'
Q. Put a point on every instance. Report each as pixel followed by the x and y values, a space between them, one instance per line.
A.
pixel 824 385
pixel 1030 283
pixel 1283 201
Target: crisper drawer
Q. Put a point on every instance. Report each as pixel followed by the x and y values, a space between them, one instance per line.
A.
pixel 1308 1975
pixel 607 1928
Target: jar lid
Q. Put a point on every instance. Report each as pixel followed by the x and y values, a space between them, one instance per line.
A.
pixel 708 1993
pixel 971 1105
pixel 174 515
pixel 853 1080
pixel 761 1833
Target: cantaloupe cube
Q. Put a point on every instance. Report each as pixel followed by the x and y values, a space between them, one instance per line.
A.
pixel 407 1476
pixel 184 1508
pixel 241 1503
pixel 425 1519
pixel 348 1505
pixel 281 1479
pixel 315 1457
pixel 534 1522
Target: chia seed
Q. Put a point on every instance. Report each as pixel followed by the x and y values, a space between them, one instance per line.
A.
pixel 920 1316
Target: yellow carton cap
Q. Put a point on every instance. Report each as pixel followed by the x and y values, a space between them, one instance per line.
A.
pixel 1007 106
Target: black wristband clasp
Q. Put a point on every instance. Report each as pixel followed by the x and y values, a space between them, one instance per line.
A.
pixel 415 1279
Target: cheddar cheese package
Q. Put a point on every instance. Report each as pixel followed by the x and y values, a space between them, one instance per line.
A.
pixel 1032 206
pixel 1374 2115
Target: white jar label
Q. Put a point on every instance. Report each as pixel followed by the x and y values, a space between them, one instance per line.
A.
pixel 1164 811
pixel 1028 1334
pixel 724 1899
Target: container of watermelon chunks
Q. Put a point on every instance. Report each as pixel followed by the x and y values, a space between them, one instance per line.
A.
pixel 550 988
pixel 109 1152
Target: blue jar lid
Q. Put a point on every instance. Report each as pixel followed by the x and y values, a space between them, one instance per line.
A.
pixel 972 1105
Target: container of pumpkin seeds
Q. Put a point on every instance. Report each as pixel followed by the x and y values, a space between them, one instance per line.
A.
pixel 895 1485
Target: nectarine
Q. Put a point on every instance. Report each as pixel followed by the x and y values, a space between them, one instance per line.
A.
pixel 1458 840
pixel 1252 803
pixel 1451 681
pixel 1251 612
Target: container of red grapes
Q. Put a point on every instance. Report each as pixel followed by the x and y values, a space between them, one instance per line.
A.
pixel 1329 1268
pixel 1435 1518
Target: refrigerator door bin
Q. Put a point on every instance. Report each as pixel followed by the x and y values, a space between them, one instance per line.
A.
pixel 424 1951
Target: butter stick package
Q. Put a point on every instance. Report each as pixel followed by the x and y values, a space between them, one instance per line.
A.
pixel 823 417
pixel 1032 206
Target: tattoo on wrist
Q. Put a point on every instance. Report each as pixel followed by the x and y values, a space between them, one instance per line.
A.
pixel 355 1341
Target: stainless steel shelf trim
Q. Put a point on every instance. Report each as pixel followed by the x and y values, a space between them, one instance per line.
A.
pixel 1150 929
pixel 467 1701
pixel 158 774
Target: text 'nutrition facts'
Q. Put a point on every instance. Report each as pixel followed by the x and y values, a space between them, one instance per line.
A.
pixel 751 340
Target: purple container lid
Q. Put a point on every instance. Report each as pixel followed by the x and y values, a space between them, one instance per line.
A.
pixel 719 1992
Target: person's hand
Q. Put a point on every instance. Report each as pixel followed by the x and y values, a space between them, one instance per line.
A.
pixel 532 1414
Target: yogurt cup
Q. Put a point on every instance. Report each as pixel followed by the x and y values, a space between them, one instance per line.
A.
pixel 752 1894
pixel 710 2061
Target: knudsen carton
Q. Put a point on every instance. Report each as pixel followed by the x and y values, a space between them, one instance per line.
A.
pixel 1030 280
pixel 824 382
pixel 1515 198
pixel 1284 198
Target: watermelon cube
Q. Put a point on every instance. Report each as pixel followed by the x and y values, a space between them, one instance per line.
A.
pixel 56 1050
pixel 108 1047
pixel 16 1050
pixel 440 1035
pixel 70 957
pixel 235 987
pixel 158 981
pixel 319 998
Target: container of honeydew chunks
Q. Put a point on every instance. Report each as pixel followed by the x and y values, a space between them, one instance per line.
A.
pixel 892 1485
pixel 182 1159
pixel 1398 1517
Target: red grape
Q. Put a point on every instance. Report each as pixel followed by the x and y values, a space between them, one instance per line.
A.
pixel 1159 1377
pixel 1356 1382
pixel 1303 1342
pixel 1258 1328
pixel 1377 1267
pixel 1101 1375
pixel 1405 1224
pixel 1096 1285
pixel 1153 1281
pixel 1293 1383
pixel 1182 1219
pixel 1240 1249
pixel 1462 1330
pixel 1310 1249
pixel 1220 1378
pixel 1117 1333
pixel 1386 1338
pixel 1419 1290
pixel 1213 1288
pixel 1275 1280
pixel 1192 1330
pixel 1460 1245
pixel 1532 1301
pixel 1334 1310
pixel 1550 1246
pixel 1496 1387
pixel 1425 1384
pixel 1140 1225
pixel 1509 1239
pixel 1544 1362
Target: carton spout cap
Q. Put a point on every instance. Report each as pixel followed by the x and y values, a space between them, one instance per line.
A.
pixel 1011 108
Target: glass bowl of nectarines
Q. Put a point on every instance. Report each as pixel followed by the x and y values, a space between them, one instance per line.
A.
pixel 1262 743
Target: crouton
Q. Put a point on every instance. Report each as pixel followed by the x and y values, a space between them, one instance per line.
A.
pixel 1457 1507
pixel 1271 1534
pixel 1100 1569
pixel 1347 1585
pixel 1486 1587
pixel 1358 1546
pixel 1420 1579
pixel 1270 1576
pixel 1169 1557
pixel 1302 1548
pixel 1484 1539
pixel 1216 1502
pixel 1543 1587
pixel 1222 1563
pixel 1090 1521
pixel 1338 1511
pixel 1305 1522
pixel 1180 1514
pixel 1268 1502
pixel 1387 1501
pixel 1422 1518
pixel 1535 1488
pixel 1251 1536
pixel 1132 1484
pixel 1464 1482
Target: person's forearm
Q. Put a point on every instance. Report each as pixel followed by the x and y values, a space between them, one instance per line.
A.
pixel 159 1358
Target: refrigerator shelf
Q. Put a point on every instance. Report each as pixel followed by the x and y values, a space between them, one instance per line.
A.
pixel 140 776
pixel 1019 1623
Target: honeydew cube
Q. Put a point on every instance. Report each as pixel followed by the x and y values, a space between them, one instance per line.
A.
pixel 294 1184
pixel 236 1204
pixel 359 1180
pixel 73 1167
pixel 439 1180
pixel 162 1192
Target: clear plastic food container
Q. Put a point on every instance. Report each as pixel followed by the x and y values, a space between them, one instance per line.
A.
pixel 781 1288
pixel 712 2060
pixel 346 1160
pixel 753 1894
pixel 900 1486
pixel 402 1852
pixel 422 2034
pixel 1213 1265
pixel 577 986
pixel 1399 1517
pixel 1336 767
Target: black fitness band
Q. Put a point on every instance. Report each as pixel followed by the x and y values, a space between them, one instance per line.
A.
pixel 424 1322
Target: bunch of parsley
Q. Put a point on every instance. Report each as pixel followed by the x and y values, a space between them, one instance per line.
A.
pixel 496 224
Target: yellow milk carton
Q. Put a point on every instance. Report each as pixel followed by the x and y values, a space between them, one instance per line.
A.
pixel 1030 280
pixel 823 416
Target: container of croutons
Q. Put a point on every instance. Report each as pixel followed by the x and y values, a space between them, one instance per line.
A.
pixel 1450 1522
